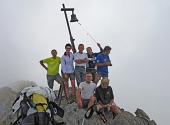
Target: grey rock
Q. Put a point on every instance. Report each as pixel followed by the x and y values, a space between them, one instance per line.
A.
pixel 152 122
pixel 142 114
pixel 73 115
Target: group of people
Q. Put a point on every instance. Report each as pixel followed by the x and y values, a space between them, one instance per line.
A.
pixel 37 104
pixel 85 69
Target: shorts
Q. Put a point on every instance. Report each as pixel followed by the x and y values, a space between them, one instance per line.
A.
pixel 70 75
pixel 51 78
pixel 85 102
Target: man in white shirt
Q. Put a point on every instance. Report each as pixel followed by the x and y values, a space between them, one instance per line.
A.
pixel 81 60
pixel 85 92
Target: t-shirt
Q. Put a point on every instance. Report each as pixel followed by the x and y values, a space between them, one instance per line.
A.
pixel 53 65
pixel 104 95
pixel 87 89
pixel 78 56
pixel 92 60
pixel 102 58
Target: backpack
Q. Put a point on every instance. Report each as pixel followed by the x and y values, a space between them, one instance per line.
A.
pixel 34 100
pixel 40 102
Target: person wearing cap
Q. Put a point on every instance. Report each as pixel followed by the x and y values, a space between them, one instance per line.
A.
pixel 102 63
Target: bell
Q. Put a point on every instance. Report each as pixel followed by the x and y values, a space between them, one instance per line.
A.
pixel 73 18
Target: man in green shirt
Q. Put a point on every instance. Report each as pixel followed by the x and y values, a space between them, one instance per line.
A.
pixel 52 68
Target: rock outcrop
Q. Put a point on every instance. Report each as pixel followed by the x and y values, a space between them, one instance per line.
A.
pixel 73 115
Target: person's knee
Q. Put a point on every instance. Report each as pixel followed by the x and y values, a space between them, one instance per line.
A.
pixel 99 107
pixel 80 104
pixel 115 109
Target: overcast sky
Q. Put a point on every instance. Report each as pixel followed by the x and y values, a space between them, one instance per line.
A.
pixel 137 30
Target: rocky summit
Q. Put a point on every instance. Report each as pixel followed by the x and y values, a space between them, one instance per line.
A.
pixel 73 115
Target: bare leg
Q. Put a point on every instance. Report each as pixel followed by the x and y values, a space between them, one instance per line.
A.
pixel 92 101
pixel 79 100
pixel 73 88
pixel 115 109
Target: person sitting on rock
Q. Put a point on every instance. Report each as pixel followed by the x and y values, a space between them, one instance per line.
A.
pixel 85 92
pixel 105 98
pixel 103 62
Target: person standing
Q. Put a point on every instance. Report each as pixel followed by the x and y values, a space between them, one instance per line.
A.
pixel 81 60
pixel 102 63
pixel 67 69
pixel 91 65
pixel 52 68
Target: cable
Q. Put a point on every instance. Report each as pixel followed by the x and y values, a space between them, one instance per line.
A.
pixel 87 33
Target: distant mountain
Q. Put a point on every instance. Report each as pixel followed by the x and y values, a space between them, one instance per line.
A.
pixel 8 96
pixel 18 86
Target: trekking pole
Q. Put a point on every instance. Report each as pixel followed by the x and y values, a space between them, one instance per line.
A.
pixel 82 122
pixel 61 89
pixel 60 94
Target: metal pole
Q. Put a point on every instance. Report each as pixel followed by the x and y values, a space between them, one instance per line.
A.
pixel 69 30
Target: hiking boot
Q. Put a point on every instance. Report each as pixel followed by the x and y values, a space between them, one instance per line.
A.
pixel 114 115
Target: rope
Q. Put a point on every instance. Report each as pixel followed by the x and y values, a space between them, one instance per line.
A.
pixel 87 33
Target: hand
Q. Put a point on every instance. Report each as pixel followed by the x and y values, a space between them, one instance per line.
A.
pixel 108 63
pixel 65 76
pixel 105 106
pixel 98 44
pixel 78 61
pixel 109 105
pixel 86 60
